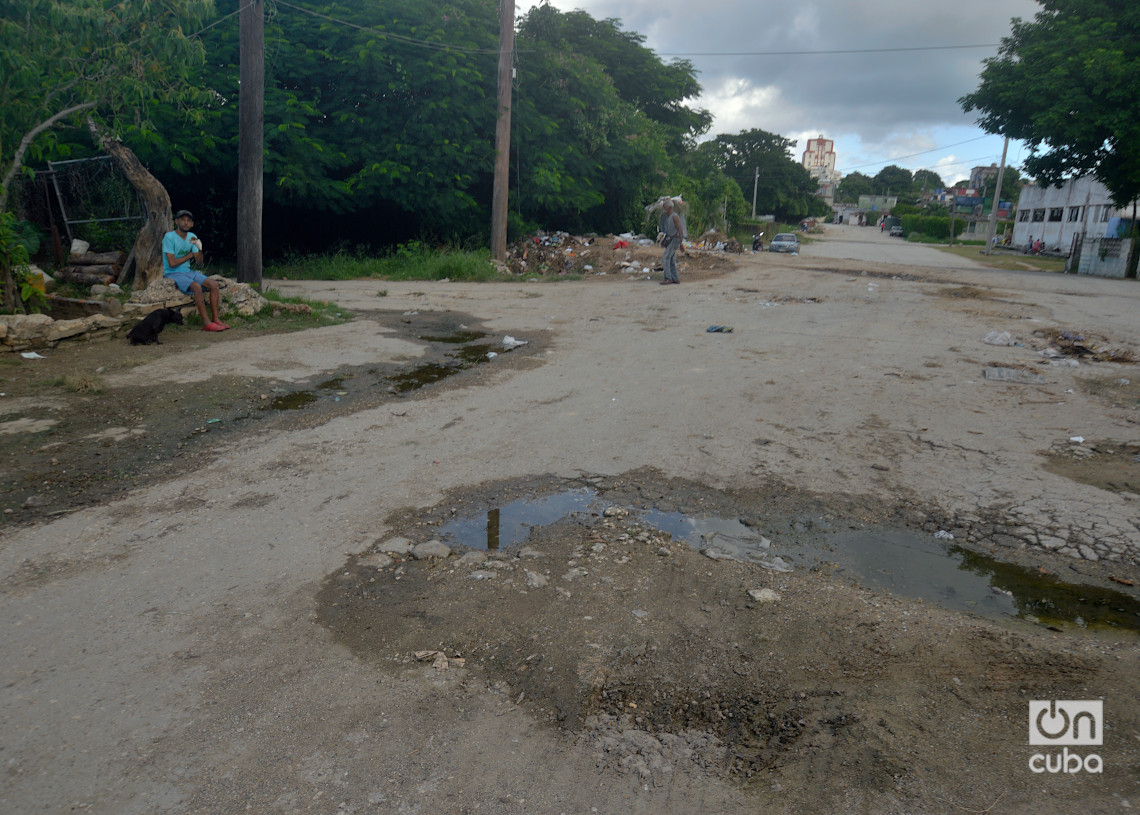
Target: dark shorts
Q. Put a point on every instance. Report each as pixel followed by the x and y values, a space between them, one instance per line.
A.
pixel 183 279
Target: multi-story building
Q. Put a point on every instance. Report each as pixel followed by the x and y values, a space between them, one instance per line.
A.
pixel 1054 215
pixel 819 160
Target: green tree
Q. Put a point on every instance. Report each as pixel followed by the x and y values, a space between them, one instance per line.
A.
pixel 852 186
pixel 892 180
pixel 927 180
pixel 784 187
pixel 111 61
pixel 713 198
pixel 640 78
pixel 1066 84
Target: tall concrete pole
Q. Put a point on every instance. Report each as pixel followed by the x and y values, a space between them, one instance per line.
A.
pixel 997 197
pixel 755 184
pixel 251 141
pixel 503 131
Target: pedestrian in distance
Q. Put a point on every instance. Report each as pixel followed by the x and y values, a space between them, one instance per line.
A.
pixel 674 232
pixel 180 248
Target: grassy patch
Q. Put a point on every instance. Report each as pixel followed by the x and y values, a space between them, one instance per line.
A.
pixel 1008 261
pixel 412 261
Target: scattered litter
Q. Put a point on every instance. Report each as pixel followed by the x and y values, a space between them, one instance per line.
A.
pixel 212 421
pixel 1013 375
pixel 1077 439
pixel 440 660
pixel 491 355
pixel 410 313
pixel 1124 382
pixel 1064 363
pixel 32 355
pixel 719 329
pixel 998 338
pixel 511 342
pixel 943 535
pixel 1121 580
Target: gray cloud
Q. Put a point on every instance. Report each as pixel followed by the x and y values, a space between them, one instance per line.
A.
pixel 876 103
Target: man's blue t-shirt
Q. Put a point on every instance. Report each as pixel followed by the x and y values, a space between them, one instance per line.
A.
pixel 177 246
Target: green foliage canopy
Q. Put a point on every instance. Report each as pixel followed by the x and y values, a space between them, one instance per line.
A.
pixel 851 186
pixel 927 180
pixel 892 180
pixel 1067 84
pixel 111 60
pixel 756 157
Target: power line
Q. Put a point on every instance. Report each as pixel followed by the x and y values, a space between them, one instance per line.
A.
pixel 448 47
pixel 824 52
pixel 920 153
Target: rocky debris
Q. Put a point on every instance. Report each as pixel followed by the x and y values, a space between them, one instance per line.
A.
pixel 237 298
pixel 764 595
pixel 651 757
pixel 24 332
pixel 394 546
pixel 103 316
pixel 432 548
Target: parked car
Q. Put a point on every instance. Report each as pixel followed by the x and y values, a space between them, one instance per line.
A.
pixel 897 232
pixel 784 242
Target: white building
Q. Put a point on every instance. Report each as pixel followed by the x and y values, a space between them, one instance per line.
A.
pixel 1081 206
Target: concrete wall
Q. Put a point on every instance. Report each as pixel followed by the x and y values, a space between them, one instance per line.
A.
pixel 1105 257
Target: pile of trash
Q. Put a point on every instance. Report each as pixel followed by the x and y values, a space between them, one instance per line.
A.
pixel 1071 344
pixel 560 253
pixel 718 242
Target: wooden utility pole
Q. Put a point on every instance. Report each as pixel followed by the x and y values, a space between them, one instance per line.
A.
pixel 997 198
pixel 251 142
pixel 503 131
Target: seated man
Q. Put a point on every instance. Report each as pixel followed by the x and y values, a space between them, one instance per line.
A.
pixel 179 247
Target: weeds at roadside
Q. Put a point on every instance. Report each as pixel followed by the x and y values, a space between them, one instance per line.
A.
pixel 411 261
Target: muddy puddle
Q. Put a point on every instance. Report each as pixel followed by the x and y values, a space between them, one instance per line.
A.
pixel 915 565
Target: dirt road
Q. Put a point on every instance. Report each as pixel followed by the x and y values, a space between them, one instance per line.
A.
pixel 242 629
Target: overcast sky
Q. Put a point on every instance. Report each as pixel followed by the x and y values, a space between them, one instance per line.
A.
pixel 880 108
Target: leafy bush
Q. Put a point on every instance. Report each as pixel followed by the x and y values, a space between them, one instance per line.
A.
pixel 16 287
pixel 934 227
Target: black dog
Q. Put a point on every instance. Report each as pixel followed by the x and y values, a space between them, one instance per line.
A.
pixel 152 324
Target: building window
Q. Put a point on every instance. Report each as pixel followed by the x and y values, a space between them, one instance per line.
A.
pixel 1038 215
pixel 1095 213
pixel 1107 214
pixel 1075 214
pixel 1056 213
pixel 1023 216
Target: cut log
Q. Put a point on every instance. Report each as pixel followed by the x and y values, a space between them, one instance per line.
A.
pixel 103 269
pixel 84 276
pixel 98 259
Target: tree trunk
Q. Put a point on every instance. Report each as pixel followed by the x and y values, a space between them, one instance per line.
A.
pixel 148 245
